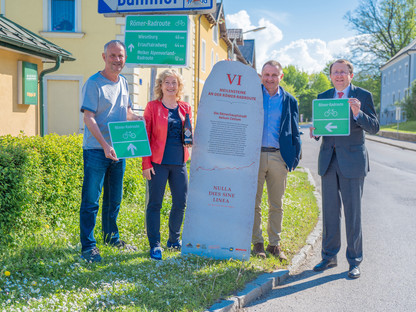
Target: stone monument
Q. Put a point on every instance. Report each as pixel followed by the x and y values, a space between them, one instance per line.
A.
pixel 224 165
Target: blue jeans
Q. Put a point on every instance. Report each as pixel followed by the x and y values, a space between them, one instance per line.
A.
pixel 178 183
pixel 100 172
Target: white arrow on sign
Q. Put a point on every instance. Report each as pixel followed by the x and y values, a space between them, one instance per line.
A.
pixel 329 127
pixel 131 47
pixel 131 148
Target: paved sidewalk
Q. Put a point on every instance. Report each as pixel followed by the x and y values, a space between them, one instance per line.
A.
pixel 402 144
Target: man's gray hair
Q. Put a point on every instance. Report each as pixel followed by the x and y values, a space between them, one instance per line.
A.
pixel 272 63
pixel 115 42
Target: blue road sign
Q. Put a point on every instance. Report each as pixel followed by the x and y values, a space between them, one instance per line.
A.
pixel 155 6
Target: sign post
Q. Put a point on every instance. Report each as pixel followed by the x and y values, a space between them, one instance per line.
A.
pixel 225 162
pixel 157 40
pixel 331 117
pixel 129 139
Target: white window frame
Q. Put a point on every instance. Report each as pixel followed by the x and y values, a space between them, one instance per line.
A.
pixel 215 34
pixel 203 55
pixel 47 31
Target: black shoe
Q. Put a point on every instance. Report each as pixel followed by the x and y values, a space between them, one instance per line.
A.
pixel 92 255
pixel 325 264
pixel 354 271
pixel 174 246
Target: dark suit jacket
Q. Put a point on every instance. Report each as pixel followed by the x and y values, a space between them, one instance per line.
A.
pixel 351 152
pixel 289 138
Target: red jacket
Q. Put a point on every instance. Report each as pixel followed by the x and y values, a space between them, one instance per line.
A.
pixel 156 118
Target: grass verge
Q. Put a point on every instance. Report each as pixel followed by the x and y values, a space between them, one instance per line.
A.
pixel 406 127
pixel 42 271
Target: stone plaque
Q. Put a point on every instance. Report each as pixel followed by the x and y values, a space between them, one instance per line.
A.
pixel 224 164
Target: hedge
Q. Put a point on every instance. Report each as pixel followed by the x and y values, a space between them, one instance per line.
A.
pixel 41 180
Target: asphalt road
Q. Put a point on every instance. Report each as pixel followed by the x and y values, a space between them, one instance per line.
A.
pixel 388 272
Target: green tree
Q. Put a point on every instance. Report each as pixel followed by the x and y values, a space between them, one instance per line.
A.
pixel 289 88
pixel 371 83
pixel 385 26
pixel 319 82
pixel 295 77
pixel 305 103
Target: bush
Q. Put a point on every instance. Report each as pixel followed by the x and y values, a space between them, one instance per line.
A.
pixel 41 180
pixel 11 181
pixel 409 103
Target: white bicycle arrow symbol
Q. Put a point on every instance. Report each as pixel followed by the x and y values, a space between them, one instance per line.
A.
pixel 131 148
pixel 329 127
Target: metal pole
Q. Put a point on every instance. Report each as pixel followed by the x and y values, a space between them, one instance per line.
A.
pixel 151 97
pixel 152 82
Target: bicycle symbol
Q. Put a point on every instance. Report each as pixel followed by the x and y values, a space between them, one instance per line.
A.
pixel 180 23
pixel 129 134
pixel 331 112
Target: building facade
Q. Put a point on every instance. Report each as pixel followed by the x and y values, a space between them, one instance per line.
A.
pixel 397 76
pixel 22 58
pixel 77 26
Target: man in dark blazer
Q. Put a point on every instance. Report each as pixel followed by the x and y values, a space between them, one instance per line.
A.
pixel 280 154
pixel 343 164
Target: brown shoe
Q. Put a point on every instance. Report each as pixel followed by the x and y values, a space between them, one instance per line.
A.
pixel 258 250
pixel 276 251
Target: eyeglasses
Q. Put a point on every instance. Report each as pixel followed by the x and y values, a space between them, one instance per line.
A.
pixel 341 73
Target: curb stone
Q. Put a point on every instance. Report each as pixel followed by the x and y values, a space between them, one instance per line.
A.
pixel 263 284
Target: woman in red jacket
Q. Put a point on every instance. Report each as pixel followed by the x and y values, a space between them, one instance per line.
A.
pixel 164 118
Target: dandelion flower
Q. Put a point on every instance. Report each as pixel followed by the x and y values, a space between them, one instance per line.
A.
pixel 7 273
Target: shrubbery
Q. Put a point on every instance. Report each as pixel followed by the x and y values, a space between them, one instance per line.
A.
pixel 41 180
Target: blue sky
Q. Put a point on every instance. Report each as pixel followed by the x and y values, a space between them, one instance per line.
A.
pixel 304 33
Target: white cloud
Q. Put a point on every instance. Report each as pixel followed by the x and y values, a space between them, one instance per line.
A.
pixel 310 55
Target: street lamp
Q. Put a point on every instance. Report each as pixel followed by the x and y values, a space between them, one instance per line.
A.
pixel 245 32
pixel 255 29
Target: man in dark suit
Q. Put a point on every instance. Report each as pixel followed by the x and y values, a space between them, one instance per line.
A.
pixel 343 164
pixel 280 154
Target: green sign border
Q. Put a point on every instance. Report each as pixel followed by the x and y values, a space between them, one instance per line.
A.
pixel 121 144
pixel 342 118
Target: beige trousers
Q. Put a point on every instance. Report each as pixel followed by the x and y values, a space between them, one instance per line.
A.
pixel 273 170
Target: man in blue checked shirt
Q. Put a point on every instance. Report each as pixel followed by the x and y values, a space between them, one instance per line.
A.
pixel 280 153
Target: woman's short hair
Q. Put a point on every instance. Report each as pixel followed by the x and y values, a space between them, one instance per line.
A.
pixel 161 78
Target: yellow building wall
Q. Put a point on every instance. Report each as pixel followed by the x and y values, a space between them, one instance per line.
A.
pixel 204 31
pixel 87 50
pixel 65 91
pixel 15 118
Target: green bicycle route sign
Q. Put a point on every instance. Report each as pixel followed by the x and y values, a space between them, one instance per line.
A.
pixel 331 117
pixel 129 139
pixel 157 40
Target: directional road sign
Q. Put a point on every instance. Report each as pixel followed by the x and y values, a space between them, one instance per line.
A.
pixel 156 6
pixel 331 117
pixel 129 139
pixel 157 40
